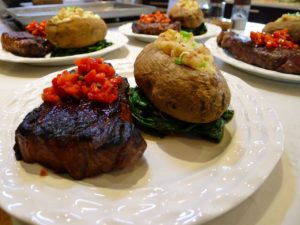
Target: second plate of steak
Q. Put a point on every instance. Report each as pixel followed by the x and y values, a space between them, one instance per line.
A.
pixel 154 28
pixel 277 59
pixel 25 44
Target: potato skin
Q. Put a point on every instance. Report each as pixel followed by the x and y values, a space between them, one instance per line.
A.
pixel 292 26
pixel 76 32
pixel 178 90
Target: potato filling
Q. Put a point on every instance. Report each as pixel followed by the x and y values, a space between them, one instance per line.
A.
pixel 182 47
pixel 289 17
pixel 188 4
pixel 66 14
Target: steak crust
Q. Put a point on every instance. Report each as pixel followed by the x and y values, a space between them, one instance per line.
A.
pixel 81 138
pixel 277 59
pixel 25 44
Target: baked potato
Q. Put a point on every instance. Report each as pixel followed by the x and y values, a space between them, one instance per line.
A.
pixel 179 77
pixel 188 13
pixel 286 21
pixel 75 28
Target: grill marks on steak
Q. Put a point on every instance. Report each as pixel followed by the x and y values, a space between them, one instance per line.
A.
pixel 277 59
pixel 25 44
pixel 81 138
pixel 154 28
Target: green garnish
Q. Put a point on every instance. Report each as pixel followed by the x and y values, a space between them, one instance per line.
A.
pixel 74 51
pixel 71 7
pixel 185 35
pixel 195 45
pixel 294 14
pixel 147 117
pixel 203 64
pixel 178 60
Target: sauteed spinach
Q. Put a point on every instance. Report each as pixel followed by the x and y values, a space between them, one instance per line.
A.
pixel 74 51
pixel 202 29
pixel 150 119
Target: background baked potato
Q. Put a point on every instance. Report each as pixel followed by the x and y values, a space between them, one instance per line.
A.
pixel 75 31
pixel 188 13
pixel 292 26
pixel 287 21
pixel 181 91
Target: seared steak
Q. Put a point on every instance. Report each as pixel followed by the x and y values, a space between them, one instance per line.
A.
pixel 25 44
pixel 278 59
pixel 154 28
pixel 82 138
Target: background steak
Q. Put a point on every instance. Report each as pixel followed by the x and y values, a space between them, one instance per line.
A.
pixel 154 28
pixel 81 138
pixel 278 59
pixel 25 44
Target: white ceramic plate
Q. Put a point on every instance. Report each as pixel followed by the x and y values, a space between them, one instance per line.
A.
pixel 118 40
pixel 270 74
pixel 179 180
pixel 212 30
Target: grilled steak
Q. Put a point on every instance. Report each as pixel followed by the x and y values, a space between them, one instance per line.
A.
pixel 154 28
pixel 25 44
pixel 82 138
pixel 278 59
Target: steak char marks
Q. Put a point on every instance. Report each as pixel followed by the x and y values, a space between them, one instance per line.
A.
pixel 277 59
pixel 81 138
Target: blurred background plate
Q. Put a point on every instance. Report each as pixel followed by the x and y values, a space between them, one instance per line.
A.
pixel 118 40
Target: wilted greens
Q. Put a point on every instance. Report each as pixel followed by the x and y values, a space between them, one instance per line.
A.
pixel 74 51
pixel 149 118
pixel 202 29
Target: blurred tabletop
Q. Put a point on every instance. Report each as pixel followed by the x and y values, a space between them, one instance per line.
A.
pixel 276 202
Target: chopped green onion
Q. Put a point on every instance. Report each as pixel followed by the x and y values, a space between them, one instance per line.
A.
pixel 203 64
pixel 178 60
pixel 294 14
pixel 186 35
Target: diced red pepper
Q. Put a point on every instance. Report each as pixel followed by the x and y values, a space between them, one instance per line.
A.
pixel 37 29
pixel 93 80
pixel 156 17
pixel 49 95
pixel 279 39
pixel 43 172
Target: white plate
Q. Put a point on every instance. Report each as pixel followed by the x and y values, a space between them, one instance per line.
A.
pixel 179 180
pixel 118 40
pixel 270 74
pixel 212 30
